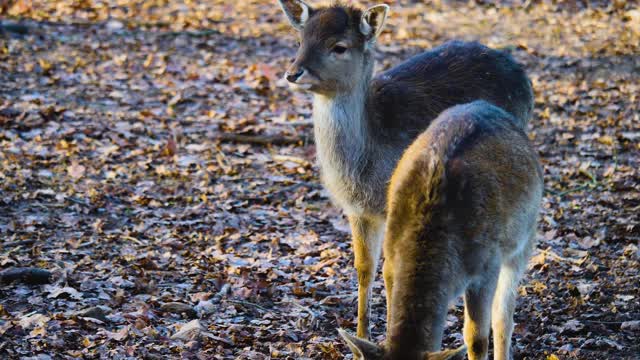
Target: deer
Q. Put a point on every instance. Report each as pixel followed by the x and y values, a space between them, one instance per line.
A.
pixel 463 205
pixel 362 124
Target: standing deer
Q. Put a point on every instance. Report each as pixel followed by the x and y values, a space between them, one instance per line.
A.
pixel 362 124
pixel 463 204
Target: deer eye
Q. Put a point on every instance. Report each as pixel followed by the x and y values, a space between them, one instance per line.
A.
pixel 339 49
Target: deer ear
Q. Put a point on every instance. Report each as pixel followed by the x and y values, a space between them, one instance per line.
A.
pixel 373 20
pixel 297 12
pixel 364 349
pixel 457 354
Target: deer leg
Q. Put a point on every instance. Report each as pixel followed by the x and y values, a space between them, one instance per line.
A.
pixel 504 304
pixel 477 316
pixel 367 245
pixel 387 273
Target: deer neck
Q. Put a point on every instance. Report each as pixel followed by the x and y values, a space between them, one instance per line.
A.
pixel 417 324
pixel 341 128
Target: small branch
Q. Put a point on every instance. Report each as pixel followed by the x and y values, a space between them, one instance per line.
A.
pixel 247 303
pixel 302 307
pixel 18 243
pixel 28 275
pixel 603 322
pixel 558 258
pixel 78 201
pixel 217 338
pixel 569 191
pixel 586 186
pixel 295 159
pixel 131 238
pixel 591 185
pixel 326 263
pixel 261 139
pixel 14 28
pixel 201 33
pixel 276 194
pixel 88 243
pixel 296 123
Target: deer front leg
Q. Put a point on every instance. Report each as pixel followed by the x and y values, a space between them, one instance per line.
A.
pixel 367 245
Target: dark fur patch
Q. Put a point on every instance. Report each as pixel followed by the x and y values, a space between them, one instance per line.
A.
pixel 404 97
pixel 479 346
pixel 334 21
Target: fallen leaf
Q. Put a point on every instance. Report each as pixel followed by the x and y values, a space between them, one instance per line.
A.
pixel 55 291
pixel 76 170
pixel 119 335
pixel 189 331
pixel 27 322
pixel 631 326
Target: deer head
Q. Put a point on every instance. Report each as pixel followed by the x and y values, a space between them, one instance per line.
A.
pixel 366 350
pixel 335 45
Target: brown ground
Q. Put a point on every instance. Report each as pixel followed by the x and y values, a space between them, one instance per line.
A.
pixel 116 174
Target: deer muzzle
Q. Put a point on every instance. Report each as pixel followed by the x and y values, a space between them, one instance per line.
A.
pixel 293 75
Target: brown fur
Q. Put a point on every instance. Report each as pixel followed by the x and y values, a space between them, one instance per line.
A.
pixel 362 123
pixel 462 213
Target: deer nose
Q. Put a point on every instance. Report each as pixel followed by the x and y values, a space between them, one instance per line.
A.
pixel 292 77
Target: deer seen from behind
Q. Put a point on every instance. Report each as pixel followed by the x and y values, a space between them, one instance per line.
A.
pixel 463 205
pixel 362 123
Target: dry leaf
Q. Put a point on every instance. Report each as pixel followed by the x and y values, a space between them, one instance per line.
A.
pixel 189 331
pixel 76 170
pixel 55 291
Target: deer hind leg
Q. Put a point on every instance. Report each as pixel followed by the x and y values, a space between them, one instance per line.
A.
pixel 367 245
pixel 477 316
pixel 504 303
pixel 387 273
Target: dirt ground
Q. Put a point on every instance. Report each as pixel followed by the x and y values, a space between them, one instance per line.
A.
pixel 152 159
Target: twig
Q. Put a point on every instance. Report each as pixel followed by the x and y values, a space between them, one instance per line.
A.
pixel 604 322
pixel 306 309
pixel 591 185
pixel 77 201
pixel 201 33
pixel 247 303
pixel 296 123
pixel 131 238
pixel 554 256
pixel 568 191
pixel 260 139
pixel 275 194
pixel 14 28
pixel 18 243
pixel 28 275
pixel 585 186
pixel 222 340
pixel 295 159
pixel 326 263
pixel 88 243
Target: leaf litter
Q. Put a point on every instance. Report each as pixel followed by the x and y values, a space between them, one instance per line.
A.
pixel 154 163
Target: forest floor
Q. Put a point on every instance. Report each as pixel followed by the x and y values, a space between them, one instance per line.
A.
pixel 169 236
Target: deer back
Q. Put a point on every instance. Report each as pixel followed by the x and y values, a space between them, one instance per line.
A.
pixel 407 97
